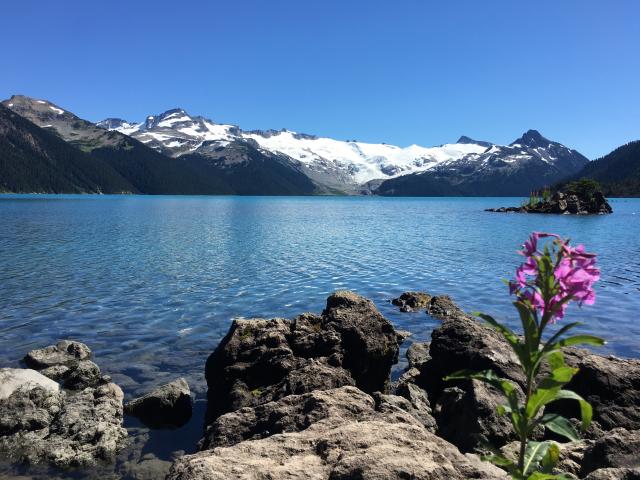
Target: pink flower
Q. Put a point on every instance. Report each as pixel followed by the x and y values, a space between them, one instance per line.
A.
pixel 530 246
pixel 574 275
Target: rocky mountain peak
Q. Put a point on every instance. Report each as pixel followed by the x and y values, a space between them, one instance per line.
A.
pixel 470 141
pixel 533 139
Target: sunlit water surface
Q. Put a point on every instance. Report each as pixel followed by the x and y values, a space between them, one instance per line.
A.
pixel 152 283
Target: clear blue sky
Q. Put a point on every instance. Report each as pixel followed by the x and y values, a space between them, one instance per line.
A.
pixel 397 71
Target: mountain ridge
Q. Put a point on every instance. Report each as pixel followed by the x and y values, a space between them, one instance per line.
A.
pixel 208 157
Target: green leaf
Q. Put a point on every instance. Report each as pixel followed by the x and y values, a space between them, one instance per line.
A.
pixel 548 476
pixel 533 455
pixel 559 333
pixel 499 460
pixel 586 412
pixel 531 334
pixel 581 340
pixel 551 458
pixel 550 385
pixel 560 425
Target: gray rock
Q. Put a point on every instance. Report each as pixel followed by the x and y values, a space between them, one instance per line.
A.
pixel 571 455
pixel 611 385
pixel 443 307
pixel 619 448
pixel 337 449
pixel 467 417
pixel 12 379
pixel 614 474
pixel 402 335
pixel 420 405
pixel 293 413
pixel 368 340
pixel 412 301
pixel 418 354
pixel 39 425
pixel 65 352
pixel 464 343
pixel 83 374
pixel 167 406
pixel 396 407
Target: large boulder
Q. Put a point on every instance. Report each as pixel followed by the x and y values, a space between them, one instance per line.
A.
pixel 40 422
pixel 167 406
pixel 65 429
pixel 337 449
pixel 260 361
pixel 295 413
pixel 611 385
pixel 464 343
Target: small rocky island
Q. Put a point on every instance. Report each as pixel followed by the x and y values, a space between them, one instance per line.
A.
pixel 583 197
pixel 312 397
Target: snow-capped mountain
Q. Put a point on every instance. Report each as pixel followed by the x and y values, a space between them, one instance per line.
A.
pixel 530 162
pixel 176 133
pixel 350 165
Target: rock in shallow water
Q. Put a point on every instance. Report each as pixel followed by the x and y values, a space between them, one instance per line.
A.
pixel 167 406
pixel 62 428
pixel 65 352
pixel 41 423
pixel 412 301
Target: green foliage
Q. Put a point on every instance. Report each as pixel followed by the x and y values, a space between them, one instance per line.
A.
pixel 584 188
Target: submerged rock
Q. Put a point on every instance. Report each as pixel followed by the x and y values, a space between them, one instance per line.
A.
pixel 167 406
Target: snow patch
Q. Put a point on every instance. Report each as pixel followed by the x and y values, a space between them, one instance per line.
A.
pixel 57 110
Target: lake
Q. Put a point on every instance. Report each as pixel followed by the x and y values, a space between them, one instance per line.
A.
pixel 151 284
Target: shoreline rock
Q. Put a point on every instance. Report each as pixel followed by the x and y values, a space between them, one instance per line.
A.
pixel 40 422
pixel 343 427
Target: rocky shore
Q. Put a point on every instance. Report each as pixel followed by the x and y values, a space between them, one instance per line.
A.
pixel 312 397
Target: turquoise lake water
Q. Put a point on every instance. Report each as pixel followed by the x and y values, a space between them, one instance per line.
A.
pixel 151 284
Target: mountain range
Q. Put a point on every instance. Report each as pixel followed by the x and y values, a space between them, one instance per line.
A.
pixel 178 153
